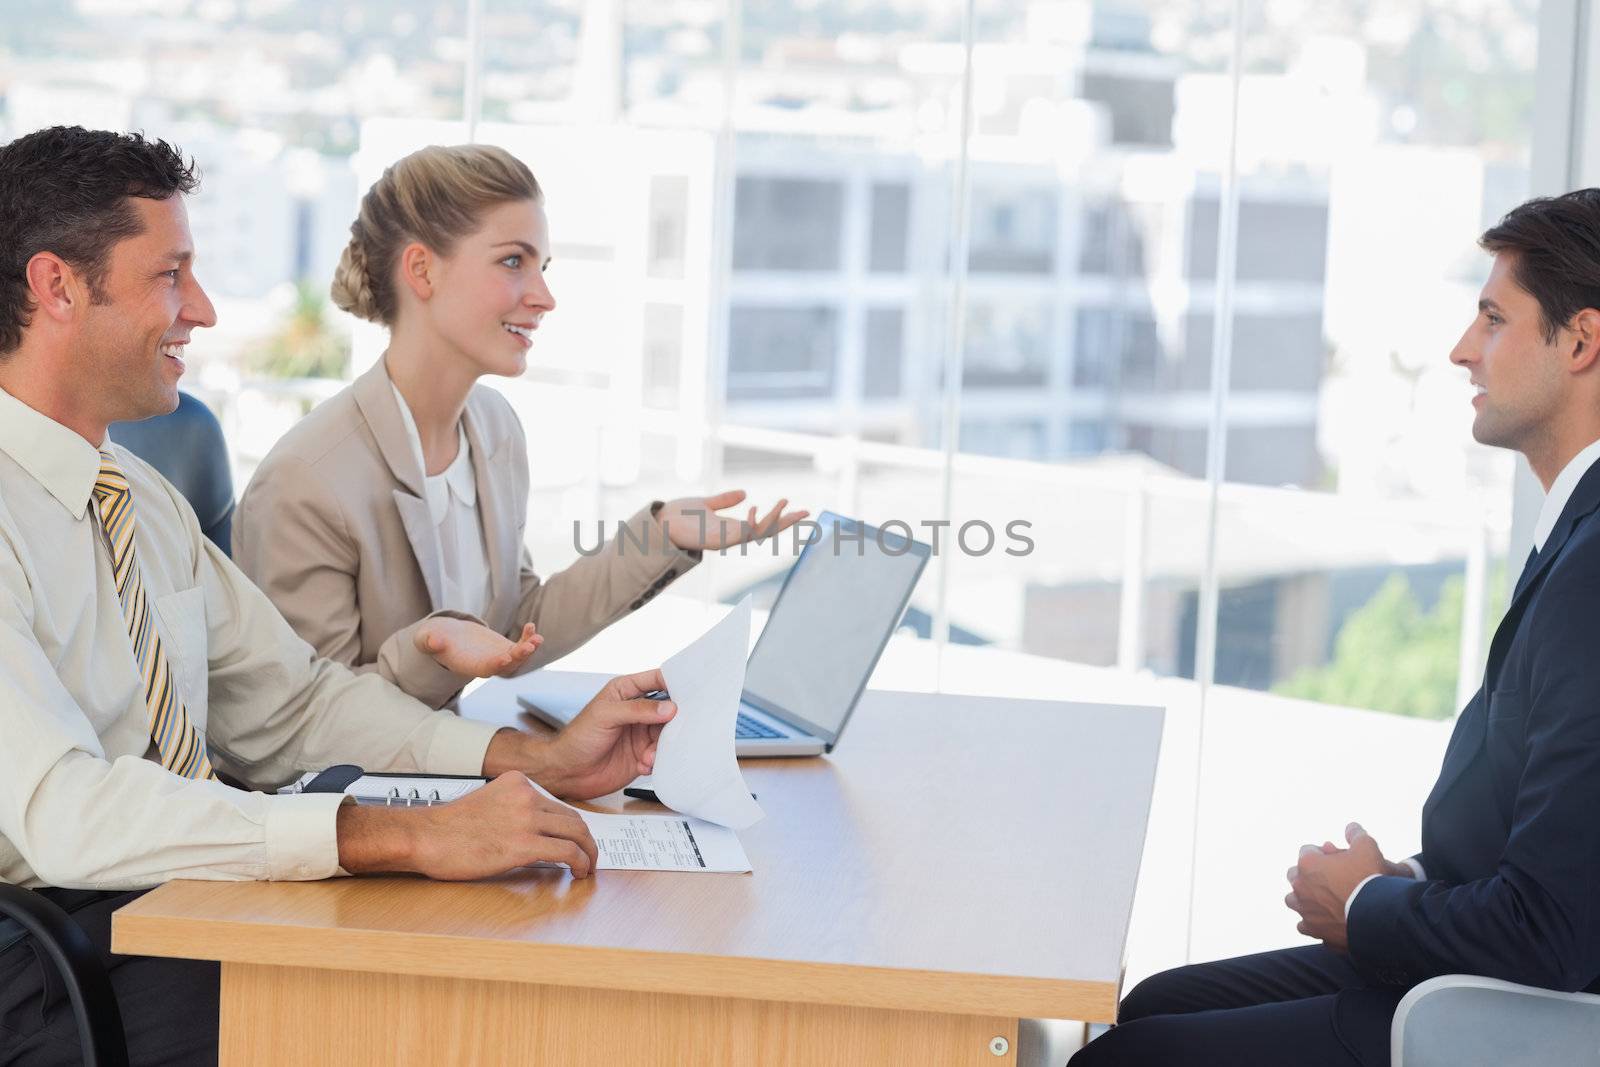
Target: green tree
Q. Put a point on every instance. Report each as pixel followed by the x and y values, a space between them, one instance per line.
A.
pixel 1393 656
pixel 306 345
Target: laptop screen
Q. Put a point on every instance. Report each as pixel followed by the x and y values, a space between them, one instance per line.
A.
pixel 838 606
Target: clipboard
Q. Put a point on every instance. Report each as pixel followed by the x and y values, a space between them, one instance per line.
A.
pixel 390 789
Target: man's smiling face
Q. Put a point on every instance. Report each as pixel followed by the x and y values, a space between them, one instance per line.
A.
pixel 130 348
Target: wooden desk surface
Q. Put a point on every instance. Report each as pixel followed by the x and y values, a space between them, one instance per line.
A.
pixel 955 854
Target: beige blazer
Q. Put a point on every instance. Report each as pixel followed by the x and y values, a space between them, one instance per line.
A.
pixel 335 529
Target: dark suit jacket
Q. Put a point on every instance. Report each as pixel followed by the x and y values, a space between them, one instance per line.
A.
pixel 1511 831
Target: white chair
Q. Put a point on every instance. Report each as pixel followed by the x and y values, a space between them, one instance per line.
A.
pixel 1458 1020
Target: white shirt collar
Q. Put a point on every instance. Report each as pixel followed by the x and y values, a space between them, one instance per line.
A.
pixel 457 480
pixel 1555 502
pixel 459 476
pixel 57 458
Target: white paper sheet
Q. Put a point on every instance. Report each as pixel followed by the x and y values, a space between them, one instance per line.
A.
pixel 659 842
pixel 664 843
pixel 696 771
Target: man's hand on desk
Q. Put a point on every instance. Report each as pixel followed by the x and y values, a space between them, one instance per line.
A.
pixel 1325 876
pixel 610 743
pixel 506 824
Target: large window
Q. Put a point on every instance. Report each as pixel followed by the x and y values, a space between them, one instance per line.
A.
pixel 1188 322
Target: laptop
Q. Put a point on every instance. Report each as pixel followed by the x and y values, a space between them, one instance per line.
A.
pixel 837 607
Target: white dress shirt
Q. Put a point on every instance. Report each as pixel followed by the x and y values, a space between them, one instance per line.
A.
pixel 82 802
pixel 453 507
pixel 1555 502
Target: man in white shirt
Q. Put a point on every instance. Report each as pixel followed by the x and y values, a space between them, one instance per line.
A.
pixel 1509 873
pixel 139 664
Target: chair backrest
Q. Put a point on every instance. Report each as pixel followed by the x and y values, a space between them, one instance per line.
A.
pixel 64 946
pixel 188 448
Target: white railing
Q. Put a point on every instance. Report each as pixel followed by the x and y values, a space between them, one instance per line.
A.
pixel 1279 530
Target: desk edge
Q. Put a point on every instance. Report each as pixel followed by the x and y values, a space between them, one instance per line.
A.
pixel 137 932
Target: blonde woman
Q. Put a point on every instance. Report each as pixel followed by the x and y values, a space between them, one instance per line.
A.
pixel 387 526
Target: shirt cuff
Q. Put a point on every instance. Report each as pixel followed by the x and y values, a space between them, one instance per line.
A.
pixel 303 836
pixel 1351 899
pixel 1416 868
pixel 458 745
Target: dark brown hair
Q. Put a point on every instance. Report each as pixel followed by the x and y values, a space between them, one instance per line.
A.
pixel 65 190
pixel 1556 244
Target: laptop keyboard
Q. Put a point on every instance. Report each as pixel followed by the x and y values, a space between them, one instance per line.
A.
pixel 746 727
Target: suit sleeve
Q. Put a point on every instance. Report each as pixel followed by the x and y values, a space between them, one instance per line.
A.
pixel 1536 921
pixel 621 575
pixel 610 578
pixel 292 541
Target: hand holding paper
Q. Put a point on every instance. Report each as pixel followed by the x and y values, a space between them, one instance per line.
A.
pixel 610 743
pixel 696 771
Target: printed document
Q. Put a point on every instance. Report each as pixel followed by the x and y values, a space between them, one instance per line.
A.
pixel 664 843
pixel 659 842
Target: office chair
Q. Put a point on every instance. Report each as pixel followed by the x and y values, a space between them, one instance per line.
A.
pixel 1462 1019
pixel 67 947
pixel 188 448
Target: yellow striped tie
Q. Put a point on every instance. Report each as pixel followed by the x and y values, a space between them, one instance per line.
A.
pixel 183 750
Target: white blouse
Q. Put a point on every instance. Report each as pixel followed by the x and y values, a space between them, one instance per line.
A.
pixel 453 506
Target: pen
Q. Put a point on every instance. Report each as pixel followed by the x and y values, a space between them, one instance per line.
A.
pixel 641 793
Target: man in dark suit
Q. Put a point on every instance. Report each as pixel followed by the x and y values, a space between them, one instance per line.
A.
pixel 1508 881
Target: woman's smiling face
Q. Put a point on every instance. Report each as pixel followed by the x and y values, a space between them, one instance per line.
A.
pixel 489 294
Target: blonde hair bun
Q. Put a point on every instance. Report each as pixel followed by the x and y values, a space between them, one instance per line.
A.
pixel 436 195
pixel 351 291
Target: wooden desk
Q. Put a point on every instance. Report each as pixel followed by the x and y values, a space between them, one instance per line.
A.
pixel 958 863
